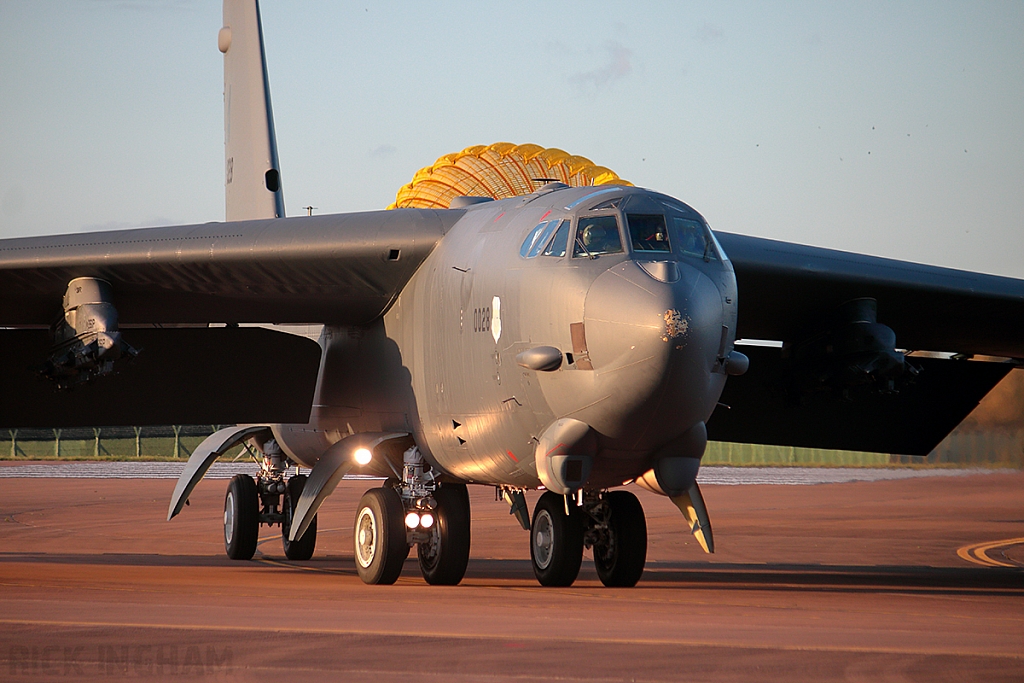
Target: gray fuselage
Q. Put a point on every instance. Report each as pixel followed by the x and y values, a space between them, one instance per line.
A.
pixel 641 330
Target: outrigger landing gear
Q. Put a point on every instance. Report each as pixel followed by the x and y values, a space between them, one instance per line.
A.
pixel 611 522
pixel 414 511
pixel 270 500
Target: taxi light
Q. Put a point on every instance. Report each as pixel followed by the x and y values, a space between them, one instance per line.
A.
pixel 412 520
pixel 363 456
pixel 427 520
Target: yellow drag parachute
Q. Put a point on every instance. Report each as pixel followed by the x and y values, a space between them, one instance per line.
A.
pixel 501 170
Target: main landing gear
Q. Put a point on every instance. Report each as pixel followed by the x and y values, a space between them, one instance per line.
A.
pixel 268 499
pixel 612 523
pixel 414 511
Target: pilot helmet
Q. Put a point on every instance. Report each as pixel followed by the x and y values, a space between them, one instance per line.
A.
pixel 595 235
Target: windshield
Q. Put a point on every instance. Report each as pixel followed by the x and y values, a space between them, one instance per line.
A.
pixel 691 238
pixel 597 235
pixel 648 233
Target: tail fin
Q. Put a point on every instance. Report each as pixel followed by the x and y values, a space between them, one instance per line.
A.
pixel 252 176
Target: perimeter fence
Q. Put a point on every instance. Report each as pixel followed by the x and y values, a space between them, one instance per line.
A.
pixel 962 448
pixel 114 443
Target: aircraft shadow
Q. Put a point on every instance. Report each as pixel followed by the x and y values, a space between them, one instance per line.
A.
pixel 838 578
pixel 802 578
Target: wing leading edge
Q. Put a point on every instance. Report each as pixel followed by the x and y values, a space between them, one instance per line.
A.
pixel 337 269
pixel 342 270
pixel 786 290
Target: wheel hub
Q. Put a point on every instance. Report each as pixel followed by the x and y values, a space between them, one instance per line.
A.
pixel 366 534
pixel 229 517
pixel 543 539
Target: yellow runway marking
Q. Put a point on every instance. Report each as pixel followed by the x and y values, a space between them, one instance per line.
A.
pixel 978 552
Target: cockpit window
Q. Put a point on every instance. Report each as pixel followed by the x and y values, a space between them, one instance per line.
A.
pixel 556 247
pixel 691 237
pixel 597 235
pixel 610 204
pixel 648 233
pixel 537 238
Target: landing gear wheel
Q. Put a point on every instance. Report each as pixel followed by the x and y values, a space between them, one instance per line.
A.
pixel 443 559
pixel 620 561
pixel 556 541
pixel 301 548
pixel 241 518
pixel 379 536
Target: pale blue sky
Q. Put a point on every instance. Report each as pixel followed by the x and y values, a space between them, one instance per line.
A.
pixel 892 128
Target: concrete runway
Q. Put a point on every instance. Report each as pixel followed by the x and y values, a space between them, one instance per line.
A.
pixel 831 582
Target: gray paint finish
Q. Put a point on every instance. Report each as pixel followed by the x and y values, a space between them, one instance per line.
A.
pixel 322 269
pixel 427 344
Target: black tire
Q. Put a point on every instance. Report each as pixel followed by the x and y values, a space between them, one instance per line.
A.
pixel 301 548
pixel 443 559
pixel 556 541
pixel 620 563
pixel 241 518
pixel 379 536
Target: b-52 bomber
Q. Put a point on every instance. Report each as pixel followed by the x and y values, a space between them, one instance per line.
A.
pixel 571 339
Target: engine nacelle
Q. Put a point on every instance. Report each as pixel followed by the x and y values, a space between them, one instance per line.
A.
pixel 855 351
pixel 86 340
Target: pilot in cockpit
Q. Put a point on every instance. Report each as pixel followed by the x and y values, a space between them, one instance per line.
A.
pixel 595 238
pixel 600 235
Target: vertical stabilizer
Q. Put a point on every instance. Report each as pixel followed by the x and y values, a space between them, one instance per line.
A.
pixel 252 176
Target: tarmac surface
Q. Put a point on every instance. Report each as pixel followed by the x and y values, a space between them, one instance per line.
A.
pixel 913 579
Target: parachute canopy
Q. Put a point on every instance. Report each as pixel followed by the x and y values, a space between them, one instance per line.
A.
pixel 499 171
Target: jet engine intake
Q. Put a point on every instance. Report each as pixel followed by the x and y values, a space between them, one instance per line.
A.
pixel 87 342
pixel 565 455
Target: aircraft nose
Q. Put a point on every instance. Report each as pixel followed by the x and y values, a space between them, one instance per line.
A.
pixel 654 344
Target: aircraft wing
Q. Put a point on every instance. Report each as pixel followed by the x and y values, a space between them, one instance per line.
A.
pixel 344 269
pixel 756 408
pixel 340 269
pixel 787 289
pixel 789 292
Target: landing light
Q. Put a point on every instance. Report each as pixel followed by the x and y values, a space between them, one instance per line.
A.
pixel 363 456
pixel 427 520
pixel 412 520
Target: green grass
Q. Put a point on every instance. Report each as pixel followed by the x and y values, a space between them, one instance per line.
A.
pixel 994 449
pixel 150 449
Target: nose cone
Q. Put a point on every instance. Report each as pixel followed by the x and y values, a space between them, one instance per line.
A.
pixel 653 345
